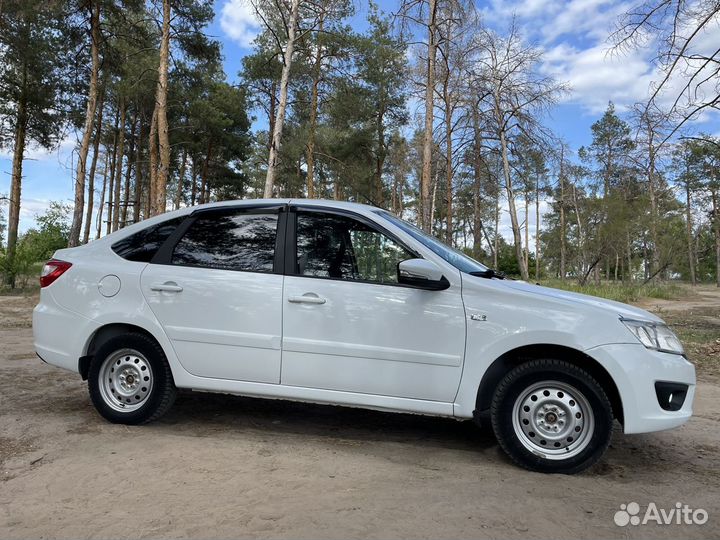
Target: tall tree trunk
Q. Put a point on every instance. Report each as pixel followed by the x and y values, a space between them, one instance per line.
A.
pixel 16 183
pixel 273 158
pixel 101 206
pixel 204 174
pixel 448 162
pixel 527 229
pixel 91 176
pixel 153 157
pixel 689 229
pixel 426 178
pixel 193 187
pixel 563 232
pixel 537 228
pixel 447 99
pixel 111 179
pixel 181 179
pixel 433 198
pixel 160 177
pixel 716 230
pixel 496 238
pixel 379 196
pixel 128 172
pixel 652 188
pixel 272 113
pixel 511 204
pixel 581 235
pixel 117 177
pixel 477 184
pixel 79 207
pixel 310 147
pixel 628 247
pixel 139 169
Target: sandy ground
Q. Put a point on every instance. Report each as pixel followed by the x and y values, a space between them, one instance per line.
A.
pixel 221 467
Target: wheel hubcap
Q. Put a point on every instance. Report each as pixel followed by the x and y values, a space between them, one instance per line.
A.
pixel 125 380
pixel 553 419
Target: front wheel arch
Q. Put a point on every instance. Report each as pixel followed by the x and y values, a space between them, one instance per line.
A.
pixel 513 358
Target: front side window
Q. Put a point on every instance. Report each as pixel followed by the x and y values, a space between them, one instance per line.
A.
pixel 453 256
pixel 229 241
pixel 142 246
pixel 339 247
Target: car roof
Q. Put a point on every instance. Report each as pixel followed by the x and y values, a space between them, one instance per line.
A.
pixel 325 203
pixel 363 209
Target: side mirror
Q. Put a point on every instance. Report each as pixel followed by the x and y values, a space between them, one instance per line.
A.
pixel 422 274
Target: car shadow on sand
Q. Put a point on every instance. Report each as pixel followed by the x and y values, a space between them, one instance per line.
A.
pixel 204 414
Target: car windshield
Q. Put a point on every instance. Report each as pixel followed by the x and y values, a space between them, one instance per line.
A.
pixel 457 258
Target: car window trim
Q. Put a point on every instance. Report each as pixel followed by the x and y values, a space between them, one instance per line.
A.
pixel 164 254
pixel 291 244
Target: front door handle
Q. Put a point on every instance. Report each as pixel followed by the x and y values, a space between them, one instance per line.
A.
pixel 307 298
pixel 168 286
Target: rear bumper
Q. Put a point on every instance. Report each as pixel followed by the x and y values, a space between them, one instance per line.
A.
pixel 59 335
pixel 642 377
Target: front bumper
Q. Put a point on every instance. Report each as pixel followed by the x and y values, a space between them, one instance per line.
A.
pixel 636 370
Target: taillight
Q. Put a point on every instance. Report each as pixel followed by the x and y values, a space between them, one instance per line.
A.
pixel 52 270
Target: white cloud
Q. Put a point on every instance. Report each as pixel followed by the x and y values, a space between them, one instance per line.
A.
pixel 575 37
pixel 593 19
pixel 596 77
pixel 37 153
pixel 239 21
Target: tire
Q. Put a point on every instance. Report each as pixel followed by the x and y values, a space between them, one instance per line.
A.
pixel 130 381
pixel 551 416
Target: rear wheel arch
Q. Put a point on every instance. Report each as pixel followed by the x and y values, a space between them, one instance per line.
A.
pixel 513 358
pixel 102 335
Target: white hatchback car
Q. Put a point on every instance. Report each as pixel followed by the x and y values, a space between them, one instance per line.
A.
pixel 344 303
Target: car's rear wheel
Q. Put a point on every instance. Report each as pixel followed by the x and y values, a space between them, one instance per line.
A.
pixel 552 416
pixel 130 381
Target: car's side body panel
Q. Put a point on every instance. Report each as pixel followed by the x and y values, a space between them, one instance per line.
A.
pixel 223 324
pixel 385 347
pixel 359 339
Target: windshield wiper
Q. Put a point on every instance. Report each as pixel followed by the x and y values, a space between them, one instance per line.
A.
pixel 488 274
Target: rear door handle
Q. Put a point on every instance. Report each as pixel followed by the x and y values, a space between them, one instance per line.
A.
pixel 307 298
pixel 168 286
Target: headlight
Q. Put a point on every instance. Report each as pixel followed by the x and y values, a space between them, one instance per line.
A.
pixel 655 336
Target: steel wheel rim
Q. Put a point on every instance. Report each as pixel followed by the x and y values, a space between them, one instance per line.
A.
pixel 553 419
pixel 125 380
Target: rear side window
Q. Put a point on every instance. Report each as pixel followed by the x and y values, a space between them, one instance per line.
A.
pixel 143 245
pixel 229 241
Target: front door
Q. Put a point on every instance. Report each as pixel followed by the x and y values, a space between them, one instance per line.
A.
pixel 348 325
pixel 218 295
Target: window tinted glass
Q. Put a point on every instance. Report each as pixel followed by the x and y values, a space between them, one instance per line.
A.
pixel 238 241
pixel 343 248
pixel 143 245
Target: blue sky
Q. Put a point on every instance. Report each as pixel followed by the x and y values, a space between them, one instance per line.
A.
pixel 573 34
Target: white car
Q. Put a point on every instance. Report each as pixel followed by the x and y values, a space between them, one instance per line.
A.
pixel 343 303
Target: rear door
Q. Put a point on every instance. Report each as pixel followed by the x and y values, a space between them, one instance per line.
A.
pixel 216 288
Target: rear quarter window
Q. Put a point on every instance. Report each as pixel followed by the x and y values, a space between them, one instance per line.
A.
pixel 142 246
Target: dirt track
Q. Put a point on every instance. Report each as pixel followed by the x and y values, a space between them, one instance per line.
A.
pixel 220 466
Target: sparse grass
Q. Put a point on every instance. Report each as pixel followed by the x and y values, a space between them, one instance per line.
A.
pixel 621 292
pixel 699 331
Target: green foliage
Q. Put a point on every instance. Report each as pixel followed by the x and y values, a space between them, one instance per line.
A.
pixel 620 292
pixel 36 77
pixel 38 244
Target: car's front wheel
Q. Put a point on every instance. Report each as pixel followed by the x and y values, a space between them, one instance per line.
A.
pixel 552 416
pixel 130 381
